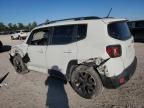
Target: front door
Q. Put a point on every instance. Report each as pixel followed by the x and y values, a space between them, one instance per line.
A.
pixel 37 46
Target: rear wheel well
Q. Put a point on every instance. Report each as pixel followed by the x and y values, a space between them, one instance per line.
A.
pixel 73 63
pixel 69 68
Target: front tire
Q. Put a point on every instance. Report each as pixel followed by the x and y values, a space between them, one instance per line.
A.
pixel 19 65
pixel 86 82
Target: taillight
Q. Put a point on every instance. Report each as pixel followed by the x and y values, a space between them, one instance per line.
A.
pixel 114 51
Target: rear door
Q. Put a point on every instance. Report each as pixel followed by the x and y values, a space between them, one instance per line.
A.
pixel 120 31
pixel 62 48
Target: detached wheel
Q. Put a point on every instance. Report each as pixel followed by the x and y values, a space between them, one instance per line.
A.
pixel 19 66
pixel 86 82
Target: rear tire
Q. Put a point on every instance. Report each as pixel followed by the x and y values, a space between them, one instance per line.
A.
pixel 86 82
pixel 19 65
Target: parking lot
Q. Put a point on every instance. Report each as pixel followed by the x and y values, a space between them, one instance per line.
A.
pixel 38 90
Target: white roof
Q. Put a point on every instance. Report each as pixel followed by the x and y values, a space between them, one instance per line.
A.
pixel 109 20
pixel 67 22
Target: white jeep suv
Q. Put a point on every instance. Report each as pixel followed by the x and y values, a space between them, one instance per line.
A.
pixel 20 34
pixel 91 52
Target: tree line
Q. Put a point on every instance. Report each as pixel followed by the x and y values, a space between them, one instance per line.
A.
pixel 10 27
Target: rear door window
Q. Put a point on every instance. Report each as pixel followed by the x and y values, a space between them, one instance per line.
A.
pixel 119 30
pixel 63 35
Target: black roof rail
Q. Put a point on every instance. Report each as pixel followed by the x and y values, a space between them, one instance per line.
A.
pixel 74 19
pixel 108 17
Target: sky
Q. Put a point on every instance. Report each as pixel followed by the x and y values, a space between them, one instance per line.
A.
pixel 26 11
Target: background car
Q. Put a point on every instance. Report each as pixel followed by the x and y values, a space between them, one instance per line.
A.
pixel 20 34
pixel 137 30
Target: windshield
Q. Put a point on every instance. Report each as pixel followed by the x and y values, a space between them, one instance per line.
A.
pixel 119 30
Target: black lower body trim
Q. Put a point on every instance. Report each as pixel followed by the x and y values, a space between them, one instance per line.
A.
pixel 116 81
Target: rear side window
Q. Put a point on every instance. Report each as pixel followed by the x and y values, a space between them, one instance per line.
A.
pixel 81 31
pixel 63 35
pixel 119 30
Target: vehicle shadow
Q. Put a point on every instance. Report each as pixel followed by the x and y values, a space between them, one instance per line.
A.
pixel 56 95
pixel 5 48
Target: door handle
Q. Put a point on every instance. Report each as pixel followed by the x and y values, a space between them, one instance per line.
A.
pixel 67 52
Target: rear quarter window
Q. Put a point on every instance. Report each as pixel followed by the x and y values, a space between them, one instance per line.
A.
pixel 119 30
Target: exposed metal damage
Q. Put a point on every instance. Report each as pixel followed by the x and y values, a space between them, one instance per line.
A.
pixel 97 63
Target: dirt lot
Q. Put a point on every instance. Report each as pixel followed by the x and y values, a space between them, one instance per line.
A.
pixel 38 90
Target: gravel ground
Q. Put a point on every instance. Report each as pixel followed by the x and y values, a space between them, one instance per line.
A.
pixel 38 90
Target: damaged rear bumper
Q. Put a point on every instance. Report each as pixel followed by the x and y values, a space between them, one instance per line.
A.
pixel 116 81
